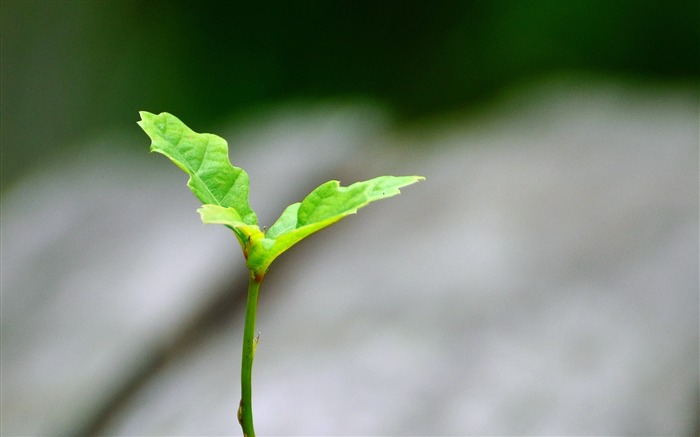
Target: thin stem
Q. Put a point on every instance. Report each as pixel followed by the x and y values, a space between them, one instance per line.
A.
pixel 245 408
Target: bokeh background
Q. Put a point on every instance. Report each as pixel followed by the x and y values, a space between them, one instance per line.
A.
pixel 542 280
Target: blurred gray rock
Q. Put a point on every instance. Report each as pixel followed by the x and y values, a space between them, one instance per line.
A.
pixel 542 280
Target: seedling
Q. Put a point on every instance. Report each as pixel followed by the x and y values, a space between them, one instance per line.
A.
pixel 223 190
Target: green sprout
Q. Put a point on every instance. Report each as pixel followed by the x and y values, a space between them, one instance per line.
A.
pixel 223 190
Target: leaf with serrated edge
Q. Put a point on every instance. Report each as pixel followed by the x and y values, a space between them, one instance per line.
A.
pixel 223 189
pixel 322 207
pixel 204 157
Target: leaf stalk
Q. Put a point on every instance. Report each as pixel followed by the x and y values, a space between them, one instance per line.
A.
pixel 245 407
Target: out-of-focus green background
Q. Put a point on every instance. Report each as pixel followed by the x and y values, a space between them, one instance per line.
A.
pixel 75 69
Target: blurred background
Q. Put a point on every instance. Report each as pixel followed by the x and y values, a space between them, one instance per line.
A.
pixel 543 279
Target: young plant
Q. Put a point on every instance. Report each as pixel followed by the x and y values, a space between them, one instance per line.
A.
pixel 223 190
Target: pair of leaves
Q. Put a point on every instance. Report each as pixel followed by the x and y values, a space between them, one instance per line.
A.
pixel 223 189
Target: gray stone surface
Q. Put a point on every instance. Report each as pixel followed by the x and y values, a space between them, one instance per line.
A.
pixel 543 280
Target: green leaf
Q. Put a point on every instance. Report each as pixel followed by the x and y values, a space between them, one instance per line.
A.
pixel 204 157
pixel 247 234
pixel 223 190
pixel 322 207
pixel 287 221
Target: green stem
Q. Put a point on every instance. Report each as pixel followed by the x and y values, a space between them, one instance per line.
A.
pixel 245 408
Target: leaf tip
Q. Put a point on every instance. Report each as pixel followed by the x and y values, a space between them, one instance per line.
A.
pixel 145 117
